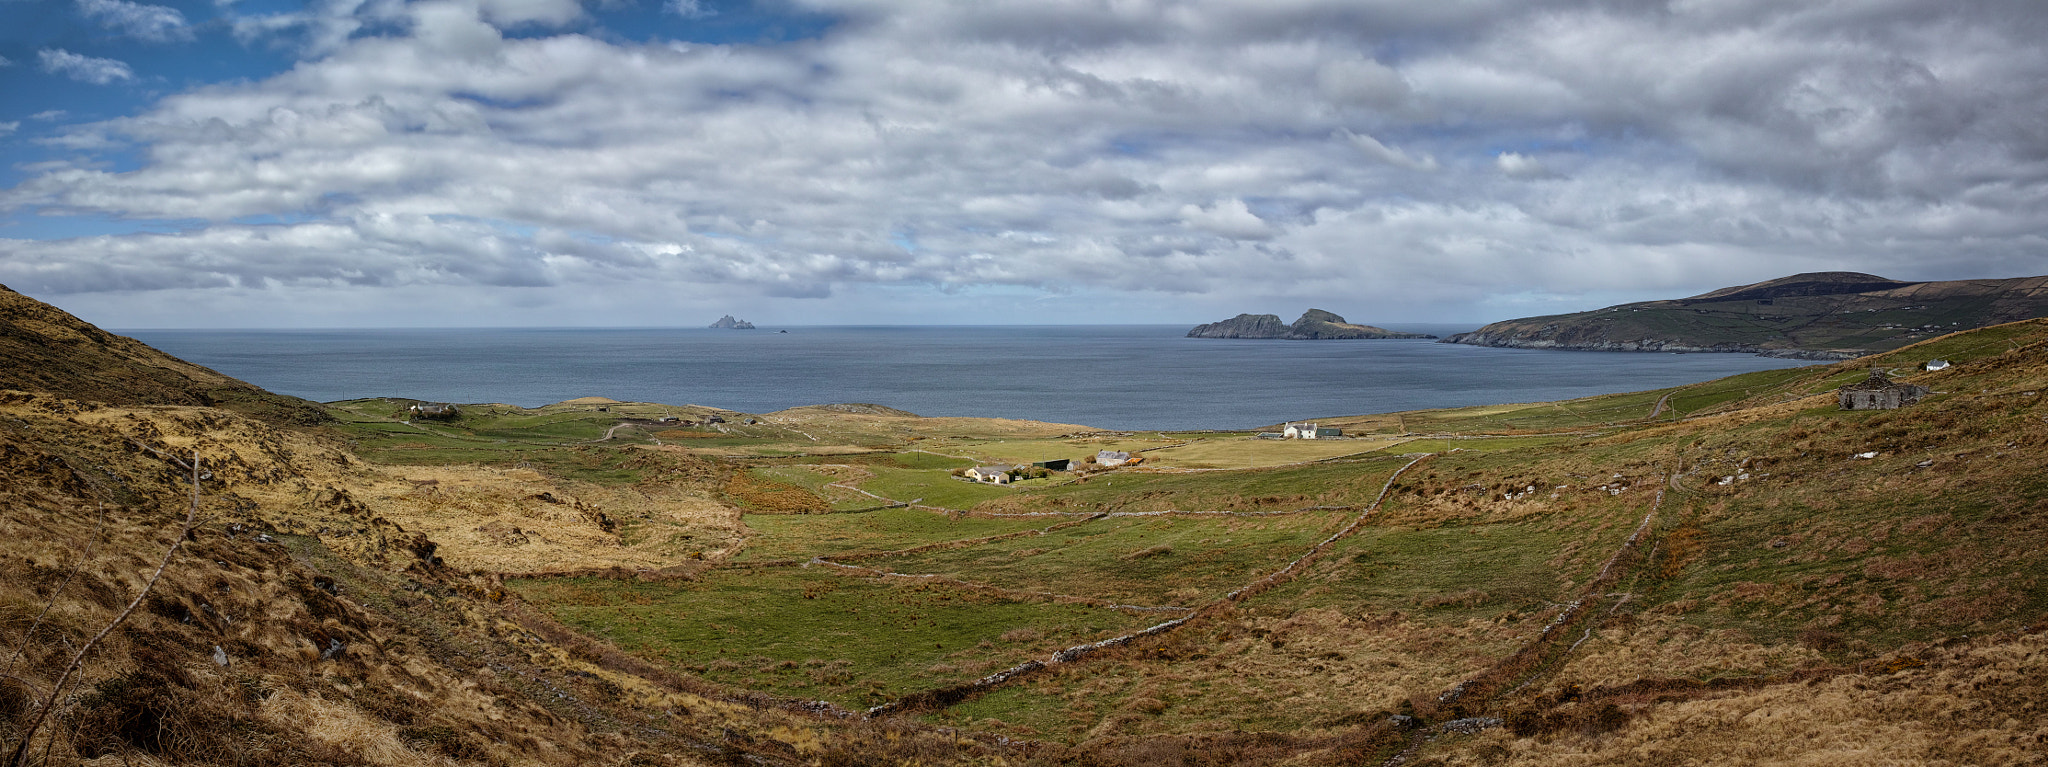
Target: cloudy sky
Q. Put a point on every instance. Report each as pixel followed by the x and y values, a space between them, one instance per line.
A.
pixel 340 163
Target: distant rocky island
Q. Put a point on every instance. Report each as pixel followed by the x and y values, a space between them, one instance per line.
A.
pixel 728 323
pixel 1816 315
pixel 1314 325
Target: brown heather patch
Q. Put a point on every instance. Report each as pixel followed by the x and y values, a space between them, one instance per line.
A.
pixel 364 652
pixel 521 521
pixel 1314 670
pixel 1977 704
pixel 762 496
pixel 1664 645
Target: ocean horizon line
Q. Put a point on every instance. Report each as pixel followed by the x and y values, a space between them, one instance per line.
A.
pixel 757 326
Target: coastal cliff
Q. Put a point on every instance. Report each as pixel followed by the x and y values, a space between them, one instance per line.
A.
pixel 1817 315
pixel 1314 325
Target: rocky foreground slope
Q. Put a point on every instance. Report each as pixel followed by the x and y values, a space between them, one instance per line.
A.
pixel 47 349
pixel 1819 315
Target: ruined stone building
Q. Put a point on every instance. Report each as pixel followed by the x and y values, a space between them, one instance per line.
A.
pixel 1879 392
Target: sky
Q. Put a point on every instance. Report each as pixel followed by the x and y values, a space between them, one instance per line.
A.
pixel 436 163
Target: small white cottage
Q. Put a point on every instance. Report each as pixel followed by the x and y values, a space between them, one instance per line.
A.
pixel 1310 431
pixel 995 474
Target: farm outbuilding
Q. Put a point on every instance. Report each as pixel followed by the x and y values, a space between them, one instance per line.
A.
pixel 1310 431
pixel 997 474
pixel 1879 392
pixel 440 410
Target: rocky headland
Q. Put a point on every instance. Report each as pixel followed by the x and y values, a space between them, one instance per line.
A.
pixel 1816 315
pixel 1314 325
pixel 728 323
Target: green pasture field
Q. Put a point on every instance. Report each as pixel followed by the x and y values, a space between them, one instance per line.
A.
pixel 907 459
pixel 1969 347
pixel 1484 444
pixel 933 486
pixel 802 536
pixel 1453 572
pixel 1712 395
pixel 810 633
pixel 1249 452
pixel 1345 482
pixel 1151 561
pixel 1014 451
pixel 1607 410
pixel 1936 527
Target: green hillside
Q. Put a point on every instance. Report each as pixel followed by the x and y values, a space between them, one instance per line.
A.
pixel 1823 315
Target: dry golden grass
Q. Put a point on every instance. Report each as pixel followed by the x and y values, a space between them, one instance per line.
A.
pixel 403 662
pixel 520 521
pixel 1251 452
pixel 1663 646
pixel 1985 704
pixel 1316 670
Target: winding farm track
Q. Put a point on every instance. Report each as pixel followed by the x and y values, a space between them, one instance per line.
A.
pixel 1661 401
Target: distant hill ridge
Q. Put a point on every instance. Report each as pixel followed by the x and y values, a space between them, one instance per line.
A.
pixel 1815 315
pixel 48 350
pixel 1314 325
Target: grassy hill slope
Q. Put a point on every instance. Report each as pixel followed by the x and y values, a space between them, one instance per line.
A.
pixel 1826 314
pixel 48 350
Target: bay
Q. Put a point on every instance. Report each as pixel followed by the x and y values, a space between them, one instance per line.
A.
pixel 1117 377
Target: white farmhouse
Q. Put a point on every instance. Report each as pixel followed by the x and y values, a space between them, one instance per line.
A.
pixel 1110 459
pixel 998 474
pixel 1310 431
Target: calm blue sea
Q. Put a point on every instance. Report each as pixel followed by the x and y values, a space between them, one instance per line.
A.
pixel 1118 377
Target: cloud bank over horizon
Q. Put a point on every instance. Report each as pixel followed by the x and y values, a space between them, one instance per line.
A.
pixel 532 162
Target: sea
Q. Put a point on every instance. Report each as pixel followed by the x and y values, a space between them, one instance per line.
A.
pixel 1126 377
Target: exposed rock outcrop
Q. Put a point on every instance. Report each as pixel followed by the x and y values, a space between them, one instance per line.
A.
pixel 728 323
pixel 1314 325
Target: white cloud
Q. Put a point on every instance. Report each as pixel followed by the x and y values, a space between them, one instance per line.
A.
pixel 8 128
pixel 1362 82
pixel 1219 150
pixel 1376 150
pixel 1229 218
pixel 689 9
pixel 82 68
pixel 546 13
pixel 155 23
pixel 1520 165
